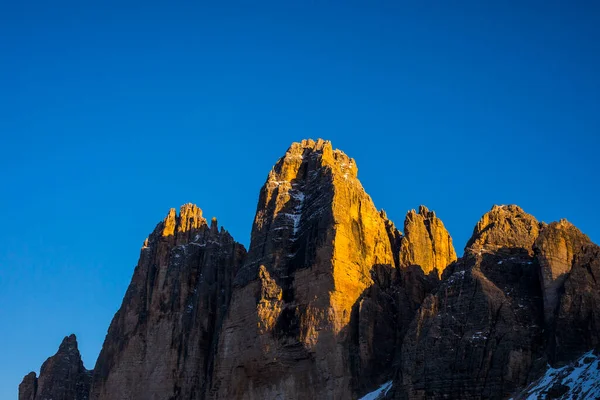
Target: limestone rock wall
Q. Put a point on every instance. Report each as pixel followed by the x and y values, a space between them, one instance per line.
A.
pixel 332 301
pixel 426 242
pixel 576 327
pixel 161 342
pixel 316 239
pixel 62 376
pixel 555 248
pixel 480 334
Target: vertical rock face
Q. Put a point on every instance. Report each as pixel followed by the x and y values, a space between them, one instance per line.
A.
pixel 479 335
pixel 332 301
pixel 62 376
pixel 161 342
pixel 385 310
pixel 315 240
pixel 426 242
pixel 555 249
pixel 395 237
pixel 28 387
pixel 577 324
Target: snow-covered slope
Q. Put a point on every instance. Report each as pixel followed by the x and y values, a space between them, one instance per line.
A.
pixel 580 380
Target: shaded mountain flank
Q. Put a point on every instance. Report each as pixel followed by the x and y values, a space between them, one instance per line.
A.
pixel 332 301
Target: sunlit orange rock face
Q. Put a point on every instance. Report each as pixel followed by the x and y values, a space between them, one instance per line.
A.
pixel 315 240
pixel 556 247
pixel 332 300
pixel 161 342
pixel 569 271
pixel 426 242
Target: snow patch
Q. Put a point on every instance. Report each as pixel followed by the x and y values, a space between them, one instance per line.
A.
pixel 582 378
pixel 455 276
pixel 379 393
pixel 299 196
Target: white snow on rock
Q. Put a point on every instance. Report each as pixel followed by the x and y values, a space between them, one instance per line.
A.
pixel 580 380
pixel 379 393
pixel 295 216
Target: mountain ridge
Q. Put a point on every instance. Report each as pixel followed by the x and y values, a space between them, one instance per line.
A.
pixel 341 298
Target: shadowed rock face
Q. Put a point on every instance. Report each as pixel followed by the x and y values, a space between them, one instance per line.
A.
pixel 318 237
pixel 479 335
pixel 385 310
pixel 62 376
pixel 161 342
pixel 332 301
pixel 577 324
pixel 555 248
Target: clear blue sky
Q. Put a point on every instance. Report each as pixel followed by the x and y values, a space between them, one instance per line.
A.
pixel 113 112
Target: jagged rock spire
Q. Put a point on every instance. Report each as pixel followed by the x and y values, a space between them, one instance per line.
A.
pixel 161 342
pixel 62 376
pixel 426 242
pixel 333 300
pixel 556 246
pixel 316 239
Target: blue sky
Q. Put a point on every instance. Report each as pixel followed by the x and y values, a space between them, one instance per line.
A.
pixel 113 112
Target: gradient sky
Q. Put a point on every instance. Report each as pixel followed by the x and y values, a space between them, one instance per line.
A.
pixel 113 112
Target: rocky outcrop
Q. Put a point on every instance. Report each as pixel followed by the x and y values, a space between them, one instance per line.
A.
pixel 28 387
pixel 426 242
pixel 480 334
pixel 62 376
pixel 332 301
pixel 504 227
pixel 576 327
pixel 579 379
pixel 161 342
pixel 555 248
pixel 316 239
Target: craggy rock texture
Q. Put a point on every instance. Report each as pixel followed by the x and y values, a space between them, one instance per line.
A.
pixel 161 343
pixel 380 321
pixel 555 249
pixel 577 323
pixel 426 242
pixel 480 334
pixel 28 387
pixel 62 376
pixel 318 236
pixel 504 227
pixel 385 310
pixel 333 302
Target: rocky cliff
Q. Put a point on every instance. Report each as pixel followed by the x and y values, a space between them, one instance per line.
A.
pixel 479 335
pixel 315 241
pixel 332 301
pixel 427 243
pixel 62 376
pixel 161 342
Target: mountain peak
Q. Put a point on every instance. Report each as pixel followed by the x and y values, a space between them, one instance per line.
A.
pixel 332 301
pixel 504 226
pixel 426 242
pixel 69 343
pixel 180 228
pixel 190 217
pixel 62 376
pixel 314 154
